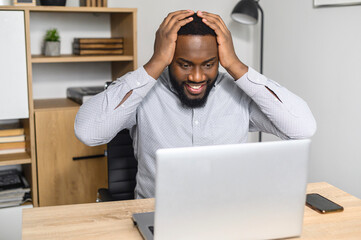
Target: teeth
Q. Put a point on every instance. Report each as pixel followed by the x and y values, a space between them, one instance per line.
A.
pixel 195 87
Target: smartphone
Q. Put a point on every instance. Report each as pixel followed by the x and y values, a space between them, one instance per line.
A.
pixel 322 204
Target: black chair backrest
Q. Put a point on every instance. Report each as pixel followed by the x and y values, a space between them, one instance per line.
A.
pixel 122 166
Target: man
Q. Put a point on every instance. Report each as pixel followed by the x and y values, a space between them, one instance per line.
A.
pixel 179 98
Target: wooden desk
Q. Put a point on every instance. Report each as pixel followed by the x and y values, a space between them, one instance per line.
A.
pixel 112 220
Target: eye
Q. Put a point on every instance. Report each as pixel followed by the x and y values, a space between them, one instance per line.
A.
pixel 209 65
pixel 184 65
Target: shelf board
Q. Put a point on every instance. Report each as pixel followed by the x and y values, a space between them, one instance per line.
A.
pixel 76 58
pixel 54 104
pixel 70 9
pixel 14 158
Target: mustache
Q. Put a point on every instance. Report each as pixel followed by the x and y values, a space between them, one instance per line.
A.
pixel 208 81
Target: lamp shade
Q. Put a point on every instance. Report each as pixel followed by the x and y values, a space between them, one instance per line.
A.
pixel 246 12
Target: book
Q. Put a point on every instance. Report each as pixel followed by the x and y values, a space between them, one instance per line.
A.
pixel 11 151
pixel 82 94
pixel 15 196
pixel 11 181
pixel 98 45
pixel 99 40
pixel 11 129
pixel 13 203
pixel 12 145
pixel 11 132
pixel 98 52
pixel 18 138
pixel 84 3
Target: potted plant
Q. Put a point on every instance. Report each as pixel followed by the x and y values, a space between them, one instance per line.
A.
pixel 52 43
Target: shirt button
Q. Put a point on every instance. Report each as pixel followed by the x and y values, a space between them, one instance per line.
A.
pixel 138 83
pixel 196 122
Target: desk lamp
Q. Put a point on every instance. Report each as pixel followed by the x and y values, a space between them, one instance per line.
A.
pixel 246 12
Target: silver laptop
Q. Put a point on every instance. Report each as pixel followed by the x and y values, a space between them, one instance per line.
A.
pixel 241 191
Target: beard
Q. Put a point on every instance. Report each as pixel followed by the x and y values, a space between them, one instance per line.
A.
pixel 185 100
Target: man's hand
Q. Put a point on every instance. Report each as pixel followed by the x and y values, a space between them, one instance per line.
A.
pixel 226 53
pixel 165 41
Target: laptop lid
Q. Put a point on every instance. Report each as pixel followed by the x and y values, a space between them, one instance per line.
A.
pixel 241 191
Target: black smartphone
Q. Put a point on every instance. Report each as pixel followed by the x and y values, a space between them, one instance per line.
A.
pixel 322 204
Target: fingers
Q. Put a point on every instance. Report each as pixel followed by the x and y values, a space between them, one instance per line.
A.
pixel 226 53
pixel 165 40
pixel 179 18
pixel 209 16
pixel 215 22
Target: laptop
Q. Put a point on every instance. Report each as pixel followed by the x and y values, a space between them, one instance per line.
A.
pixel 240 191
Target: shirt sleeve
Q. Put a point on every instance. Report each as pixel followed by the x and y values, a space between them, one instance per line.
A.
pixel 287 115
pixel 100 118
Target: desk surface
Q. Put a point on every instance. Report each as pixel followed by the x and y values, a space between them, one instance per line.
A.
pixel 112 220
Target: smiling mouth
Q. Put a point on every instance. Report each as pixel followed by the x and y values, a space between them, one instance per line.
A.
pixel 195 89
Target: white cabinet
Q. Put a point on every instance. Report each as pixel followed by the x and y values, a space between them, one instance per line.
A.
pixel 13 72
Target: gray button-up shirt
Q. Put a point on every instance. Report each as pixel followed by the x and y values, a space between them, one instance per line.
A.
pixel 157 119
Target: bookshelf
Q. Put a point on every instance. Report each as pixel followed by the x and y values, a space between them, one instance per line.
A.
pixel 14 159
pixel 67 58
pixel 123 22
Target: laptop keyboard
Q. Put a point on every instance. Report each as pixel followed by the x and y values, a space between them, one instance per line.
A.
pixel 151 228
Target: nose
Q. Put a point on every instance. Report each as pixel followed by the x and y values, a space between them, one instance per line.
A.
pixel 197 75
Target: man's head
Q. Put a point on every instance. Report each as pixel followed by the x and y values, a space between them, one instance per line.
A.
pixel 194 67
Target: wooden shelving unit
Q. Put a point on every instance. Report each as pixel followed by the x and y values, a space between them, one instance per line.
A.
pixel 123 22
pixel 75 58
pixel 70 9
pixel 54 104
pixel 14 159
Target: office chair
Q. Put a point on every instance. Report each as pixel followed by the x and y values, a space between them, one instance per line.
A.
pixel 122 169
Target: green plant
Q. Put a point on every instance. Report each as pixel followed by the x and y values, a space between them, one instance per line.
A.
pixel 52 35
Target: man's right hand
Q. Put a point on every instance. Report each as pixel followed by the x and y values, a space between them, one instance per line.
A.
pixel 165 41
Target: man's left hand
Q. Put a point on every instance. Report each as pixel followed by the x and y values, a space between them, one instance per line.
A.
pixel 226 53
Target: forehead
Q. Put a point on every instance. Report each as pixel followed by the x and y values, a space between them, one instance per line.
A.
pixel 196 48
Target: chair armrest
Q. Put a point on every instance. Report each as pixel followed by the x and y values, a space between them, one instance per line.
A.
pixel 104 195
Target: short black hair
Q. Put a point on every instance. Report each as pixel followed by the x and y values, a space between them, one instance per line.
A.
pixel 196 27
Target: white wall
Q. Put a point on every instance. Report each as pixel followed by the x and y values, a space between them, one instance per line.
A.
pixel 316 52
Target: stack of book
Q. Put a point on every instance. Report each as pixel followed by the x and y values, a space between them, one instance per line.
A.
pixel 12 138
pixel 98 46
pixel 14 189
pixel 93 3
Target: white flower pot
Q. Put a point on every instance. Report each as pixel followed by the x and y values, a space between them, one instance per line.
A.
pixel 52 48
